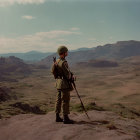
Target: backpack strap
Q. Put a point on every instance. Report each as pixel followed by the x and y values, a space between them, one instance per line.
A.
pixel 60 62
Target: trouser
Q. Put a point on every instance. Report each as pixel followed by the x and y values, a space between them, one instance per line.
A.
pixel 63 98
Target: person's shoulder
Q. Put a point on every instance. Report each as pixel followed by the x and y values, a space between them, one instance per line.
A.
pixel 60 62
pixel 63 60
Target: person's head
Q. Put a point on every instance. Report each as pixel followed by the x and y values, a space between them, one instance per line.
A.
pixel 62 51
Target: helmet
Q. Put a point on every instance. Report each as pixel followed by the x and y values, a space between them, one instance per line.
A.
pixel 62 49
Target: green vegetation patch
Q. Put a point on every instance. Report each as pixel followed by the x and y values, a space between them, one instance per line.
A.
pixel 90 106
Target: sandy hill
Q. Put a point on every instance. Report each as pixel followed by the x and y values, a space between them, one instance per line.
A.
pixel 13 64
pixel 97 63
pixel 103 126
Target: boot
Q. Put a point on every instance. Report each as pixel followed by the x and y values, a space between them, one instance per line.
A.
pixel 58 119
pixel 67 120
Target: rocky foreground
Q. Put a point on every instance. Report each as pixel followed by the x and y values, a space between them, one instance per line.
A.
pixel 103 126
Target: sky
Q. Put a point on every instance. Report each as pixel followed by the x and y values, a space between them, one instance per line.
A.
pixel 44 25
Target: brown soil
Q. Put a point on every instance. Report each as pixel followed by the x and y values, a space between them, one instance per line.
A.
pixel 104 125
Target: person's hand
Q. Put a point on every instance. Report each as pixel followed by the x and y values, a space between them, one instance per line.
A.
pixel 74 78
pixel 55 63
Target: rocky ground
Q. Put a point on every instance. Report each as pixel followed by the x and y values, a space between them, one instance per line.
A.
pixel 103 125
pixel 111 95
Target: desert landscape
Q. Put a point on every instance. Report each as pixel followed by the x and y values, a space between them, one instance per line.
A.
pixel 100 40
pixel 109 86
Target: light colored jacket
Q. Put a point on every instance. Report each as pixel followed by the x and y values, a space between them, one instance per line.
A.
pixel 62 82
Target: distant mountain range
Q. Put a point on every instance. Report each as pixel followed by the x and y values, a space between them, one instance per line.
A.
pixel 81 49
pixel 34 56
pixel 117 51
pixel 29 56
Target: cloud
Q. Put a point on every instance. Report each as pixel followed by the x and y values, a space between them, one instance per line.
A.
pixel 4 3
pixel 57 33
pixel 74 29
pixel 92 39
pixel 93 42
pixel 28 17
pixel 111 37
pixel 12 2
pixel 40 41
pixel 62 40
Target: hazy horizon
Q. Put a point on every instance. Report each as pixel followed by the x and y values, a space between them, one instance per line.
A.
pixel 56 50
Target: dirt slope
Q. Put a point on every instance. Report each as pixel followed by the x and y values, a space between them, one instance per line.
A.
pixel 104 126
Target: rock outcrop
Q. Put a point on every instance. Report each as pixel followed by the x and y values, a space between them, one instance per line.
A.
pixel 6 94
pixel 103 125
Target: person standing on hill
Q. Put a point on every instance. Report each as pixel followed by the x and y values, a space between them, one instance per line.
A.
pixel 63 76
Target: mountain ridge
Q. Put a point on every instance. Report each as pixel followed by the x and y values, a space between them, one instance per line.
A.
pixel 116 51
pixel 28 56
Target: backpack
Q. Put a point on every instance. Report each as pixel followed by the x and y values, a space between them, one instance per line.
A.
pixel 54 69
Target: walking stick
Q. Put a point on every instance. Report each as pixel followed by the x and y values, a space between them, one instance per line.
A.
pixel 80 100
